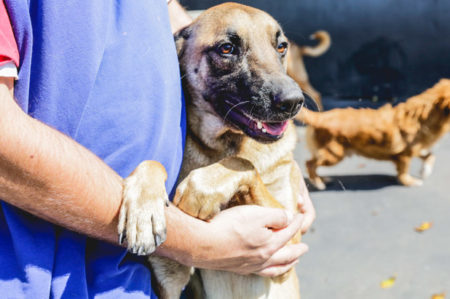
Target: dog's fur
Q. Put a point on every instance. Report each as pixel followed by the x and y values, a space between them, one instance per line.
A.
pixel 389 133
pixel 296 67
pixel 239 147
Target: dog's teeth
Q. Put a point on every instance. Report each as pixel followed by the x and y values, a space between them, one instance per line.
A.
pixel 259 125
pixel 264 130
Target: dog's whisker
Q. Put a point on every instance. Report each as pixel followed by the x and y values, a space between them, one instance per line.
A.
pixel 234 106
pixel 251 110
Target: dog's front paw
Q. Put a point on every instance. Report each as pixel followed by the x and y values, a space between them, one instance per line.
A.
pixel 199 198
pixel 141 219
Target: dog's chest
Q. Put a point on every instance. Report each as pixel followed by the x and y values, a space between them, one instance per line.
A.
pixel 274 164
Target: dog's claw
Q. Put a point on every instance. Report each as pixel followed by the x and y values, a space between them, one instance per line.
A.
pixel 158 240
pixel 121 238
pixel 141 251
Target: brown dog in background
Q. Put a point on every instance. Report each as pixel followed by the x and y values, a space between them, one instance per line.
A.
pixel 296 67
pixel 239 146
pixel 395 134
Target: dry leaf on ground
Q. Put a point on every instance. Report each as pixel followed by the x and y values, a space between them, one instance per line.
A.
pixel 388 283
pixel 426 225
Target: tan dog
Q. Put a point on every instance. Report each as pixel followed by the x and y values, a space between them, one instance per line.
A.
pixel 389 133
pixel 296 67
pixel 239 147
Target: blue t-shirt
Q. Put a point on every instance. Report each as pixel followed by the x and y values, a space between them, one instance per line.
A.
pixel 106 74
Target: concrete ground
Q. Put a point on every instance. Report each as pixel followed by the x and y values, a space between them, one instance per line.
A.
pixel 364 232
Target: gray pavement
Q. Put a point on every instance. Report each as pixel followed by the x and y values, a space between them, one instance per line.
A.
pixel 364 232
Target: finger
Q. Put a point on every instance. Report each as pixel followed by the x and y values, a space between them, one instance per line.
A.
pixel 276 270
pixel 276 218
pixel 281 237
pixel 309 219
pixel 300 201
pixel 310 215
pixel 286 255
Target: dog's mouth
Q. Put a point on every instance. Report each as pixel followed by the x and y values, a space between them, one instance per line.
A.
pixel 260 130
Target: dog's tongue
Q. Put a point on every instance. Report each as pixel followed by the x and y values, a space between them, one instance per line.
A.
pixel 275 128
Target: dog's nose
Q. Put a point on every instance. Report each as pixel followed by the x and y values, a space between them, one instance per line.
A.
pixel 288 101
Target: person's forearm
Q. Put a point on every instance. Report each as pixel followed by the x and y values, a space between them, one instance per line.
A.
pixel 178 16
pixel 184 239
pixel 46 173
pixel 49 175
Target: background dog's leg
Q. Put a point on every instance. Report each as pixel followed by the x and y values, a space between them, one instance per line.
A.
pixel 314 94
pixel 402 163
pixel 326 152
pixel 315 179
pixel 428 163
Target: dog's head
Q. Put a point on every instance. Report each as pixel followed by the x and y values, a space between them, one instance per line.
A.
pixel 232 59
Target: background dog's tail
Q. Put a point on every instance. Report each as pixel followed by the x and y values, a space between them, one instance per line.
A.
pixel 324 40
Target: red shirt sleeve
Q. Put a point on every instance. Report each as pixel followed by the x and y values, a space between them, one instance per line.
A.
pixel 8 46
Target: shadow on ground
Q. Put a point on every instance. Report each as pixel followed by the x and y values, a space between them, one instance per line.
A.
pixel 356 182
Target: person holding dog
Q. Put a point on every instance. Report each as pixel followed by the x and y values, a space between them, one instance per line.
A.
pixel 98 91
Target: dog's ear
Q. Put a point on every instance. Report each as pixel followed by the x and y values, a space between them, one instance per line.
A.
pixel 181 37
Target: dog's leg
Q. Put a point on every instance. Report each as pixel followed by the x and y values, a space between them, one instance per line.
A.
pixel 316 180
pixel 328 156
pixel 141 219
pixel 402 163
pixel 428 160
pixel 142 224
pixel 323 154
pixel 314 94
pixel 232 181
pixel 171 276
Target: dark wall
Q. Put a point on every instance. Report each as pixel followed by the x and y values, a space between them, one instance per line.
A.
pixel 388 48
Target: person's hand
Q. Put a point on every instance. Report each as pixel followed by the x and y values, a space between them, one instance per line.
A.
pixel 252 239
pixel 306 208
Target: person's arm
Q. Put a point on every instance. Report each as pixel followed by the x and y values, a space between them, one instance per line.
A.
pixel 242 239
pixel 49 175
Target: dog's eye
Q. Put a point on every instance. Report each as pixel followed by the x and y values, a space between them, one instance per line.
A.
pixel 226 49
pixel 282 48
